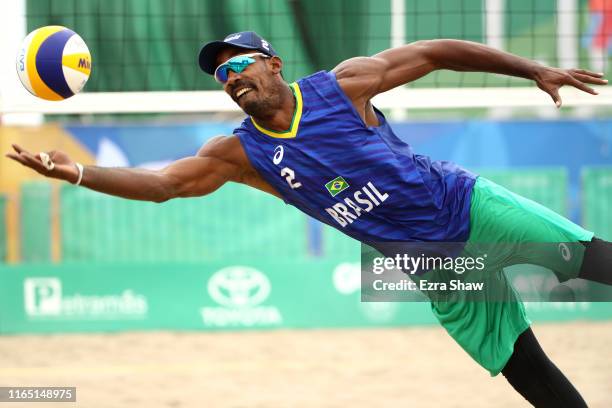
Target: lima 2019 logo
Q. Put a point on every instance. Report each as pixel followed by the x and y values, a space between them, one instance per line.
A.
pixel 239 292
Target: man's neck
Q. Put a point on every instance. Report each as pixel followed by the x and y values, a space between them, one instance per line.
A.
pixel 280 119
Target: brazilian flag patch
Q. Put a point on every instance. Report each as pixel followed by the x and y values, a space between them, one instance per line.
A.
pixel 336 186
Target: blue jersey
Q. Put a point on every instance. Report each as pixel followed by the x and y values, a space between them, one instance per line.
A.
pixel 362 180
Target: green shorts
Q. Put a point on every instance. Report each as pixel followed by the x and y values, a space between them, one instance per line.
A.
pixel 487 330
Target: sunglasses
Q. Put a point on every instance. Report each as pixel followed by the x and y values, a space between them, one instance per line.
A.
pixel 236 64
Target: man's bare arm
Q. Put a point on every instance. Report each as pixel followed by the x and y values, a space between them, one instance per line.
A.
pixel 189 177
pixel 364 77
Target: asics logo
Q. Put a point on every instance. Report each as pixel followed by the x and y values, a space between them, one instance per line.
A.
pixel 566 254
pixel 278 154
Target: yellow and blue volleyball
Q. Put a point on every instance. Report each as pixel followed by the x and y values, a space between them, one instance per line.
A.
pixel 53 63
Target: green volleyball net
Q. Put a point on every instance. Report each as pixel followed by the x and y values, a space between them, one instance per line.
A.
pixel 147 49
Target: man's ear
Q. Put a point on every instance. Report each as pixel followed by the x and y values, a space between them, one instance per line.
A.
pixel 276 64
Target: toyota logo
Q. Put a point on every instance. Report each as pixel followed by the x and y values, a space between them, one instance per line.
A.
pixel 239 287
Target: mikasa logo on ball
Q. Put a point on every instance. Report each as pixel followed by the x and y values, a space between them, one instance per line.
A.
pixel 21 60
pixel 83 63
pixel 53 63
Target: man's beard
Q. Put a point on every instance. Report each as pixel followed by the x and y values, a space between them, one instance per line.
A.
pixel 265 106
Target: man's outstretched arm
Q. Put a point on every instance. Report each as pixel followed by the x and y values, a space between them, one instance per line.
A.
pixel 189 177
pixel 364 77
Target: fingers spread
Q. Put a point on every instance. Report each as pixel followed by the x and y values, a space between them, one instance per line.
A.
pixel 17 148
pixel 589 79
pixel 554 94
pixel 589 73
pixel 41 162
pixel 17 158
pixel 583 87
pixel 28 155
pixel 32 162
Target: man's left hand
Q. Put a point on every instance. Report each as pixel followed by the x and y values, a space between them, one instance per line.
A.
pixel 551 79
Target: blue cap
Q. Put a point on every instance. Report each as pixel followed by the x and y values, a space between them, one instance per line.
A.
pixel 249 40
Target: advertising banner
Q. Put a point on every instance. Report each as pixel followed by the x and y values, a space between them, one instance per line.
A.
pixel 212 296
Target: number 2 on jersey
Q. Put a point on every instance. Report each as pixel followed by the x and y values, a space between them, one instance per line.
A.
pixel 289 175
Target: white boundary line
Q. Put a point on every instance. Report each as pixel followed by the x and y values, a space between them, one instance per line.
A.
pixel 218 101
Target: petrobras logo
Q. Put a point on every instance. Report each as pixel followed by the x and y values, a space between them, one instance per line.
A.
pixel 232 37
pixel 352 207
pixel 279 152
pixel 239 292
pixel 44 298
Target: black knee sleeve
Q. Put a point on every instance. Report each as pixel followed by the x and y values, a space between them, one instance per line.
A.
pixel 537 379
pixel 597 261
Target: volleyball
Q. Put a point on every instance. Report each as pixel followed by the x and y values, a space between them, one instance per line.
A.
pixel 53 63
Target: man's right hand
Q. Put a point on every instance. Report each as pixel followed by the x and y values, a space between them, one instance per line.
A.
pixel 64 168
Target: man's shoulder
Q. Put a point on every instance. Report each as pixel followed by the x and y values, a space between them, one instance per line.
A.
pixel 358 68
pixel 320 85
pixel 359 77
pixel 316 78
pixel 222 147
pixel 345 81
